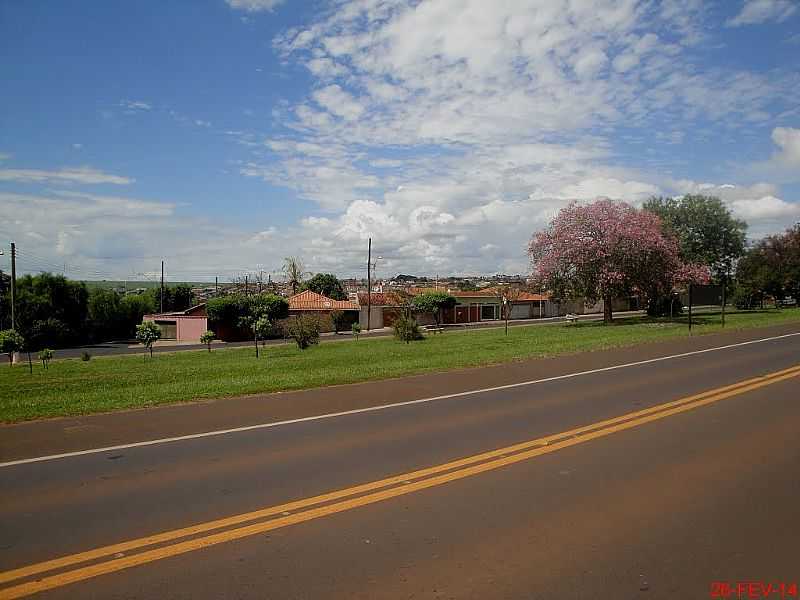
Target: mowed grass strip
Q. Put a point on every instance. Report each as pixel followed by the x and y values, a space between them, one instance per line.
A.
pixel 74 387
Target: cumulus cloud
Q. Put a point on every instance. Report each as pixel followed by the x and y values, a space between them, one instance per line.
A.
pixel 83 175
pixel 788 140
pixel 754 12
pixel 758 204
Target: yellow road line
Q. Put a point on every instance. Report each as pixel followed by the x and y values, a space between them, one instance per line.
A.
pixel 175 534
pixel 404 483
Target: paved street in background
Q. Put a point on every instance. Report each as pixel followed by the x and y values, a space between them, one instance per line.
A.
pixel 653 500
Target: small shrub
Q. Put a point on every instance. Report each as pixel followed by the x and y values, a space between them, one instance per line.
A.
pixel 304 329
pixel 406 329
pixel 146 334
pixel 11 341
pixel 207 338
pixel 356 329
pixel 85 356
pixel 46 356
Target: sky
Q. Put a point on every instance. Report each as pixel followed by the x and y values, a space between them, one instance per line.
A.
pixel 223 135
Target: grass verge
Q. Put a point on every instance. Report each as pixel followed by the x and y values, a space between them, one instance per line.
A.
pixel 73 387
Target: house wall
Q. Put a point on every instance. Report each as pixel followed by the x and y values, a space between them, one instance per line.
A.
pixel 375 317
pixel 190 328
pixel 187 328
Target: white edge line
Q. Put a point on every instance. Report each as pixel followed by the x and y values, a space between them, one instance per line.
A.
pixel 219 432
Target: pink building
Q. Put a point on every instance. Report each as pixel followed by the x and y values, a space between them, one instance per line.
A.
pixel 183 326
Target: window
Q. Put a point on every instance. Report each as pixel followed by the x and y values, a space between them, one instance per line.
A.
pixel 489 312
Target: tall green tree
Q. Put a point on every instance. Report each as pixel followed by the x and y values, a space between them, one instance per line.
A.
pixel 176 297
pixel 434 303
pixel 772 267
pixel 326 284
pixel 54 304
pixel 707 232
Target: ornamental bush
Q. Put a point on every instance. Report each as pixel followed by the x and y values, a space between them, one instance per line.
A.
pixel 406 329
pixel 304 329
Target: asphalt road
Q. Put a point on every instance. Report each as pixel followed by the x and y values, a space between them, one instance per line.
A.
pixel 641 488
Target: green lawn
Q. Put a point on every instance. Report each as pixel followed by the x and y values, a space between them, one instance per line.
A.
pixel 73 387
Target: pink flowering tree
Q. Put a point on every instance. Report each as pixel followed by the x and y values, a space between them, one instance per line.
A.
pixel 608 250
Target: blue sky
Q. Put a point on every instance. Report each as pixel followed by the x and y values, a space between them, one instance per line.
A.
pixel 224 135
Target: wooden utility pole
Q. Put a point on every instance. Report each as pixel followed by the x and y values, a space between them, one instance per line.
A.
pixel 162 286
pixel 13 285
pixel 216 285
pixel 369 285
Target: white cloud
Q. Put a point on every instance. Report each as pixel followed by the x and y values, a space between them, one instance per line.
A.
pixel 254 5
pixel 754 12
pixel 788 140
pixel 82 175
pixel 134 106
pixel 757 204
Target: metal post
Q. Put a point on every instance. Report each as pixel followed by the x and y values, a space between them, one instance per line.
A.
pixel 13 285
pixel 369 284
pixel 162 286
pixel 690 308
pixel 724 285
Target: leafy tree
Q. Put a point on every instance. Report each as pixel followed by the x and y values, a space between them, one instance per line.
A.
pixel 132 308
pixel 608 250
pixel 147 334
pixel 326 284
pixel 433 302
pixel 11 341
pixel 263 328
pixel 294 271
pixel 707 232
pixel 771 266
pixel 248 322
pixel 105 314
pixel 178 297
pixel 356 330
pixel 5 300
pixel 406 329
pixel 207 338
pixel 47 296
pixel 49 332
pixel 46 355
pixel 304 330
pixel 239 311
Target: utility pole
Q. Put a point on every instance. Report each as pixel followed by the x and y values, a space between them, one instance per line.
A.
pixel 369 285
pixel 246 291
pixel 216 285
pixel 13 285
pixel 162 286
pixel 260 279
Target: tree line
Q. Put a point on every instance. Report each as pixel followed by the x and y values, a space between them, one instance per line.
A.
pixel 55 312
pixel 607 250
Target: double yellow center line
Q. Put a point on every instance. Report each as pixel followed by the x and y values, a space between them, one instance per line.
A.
pixel 116 557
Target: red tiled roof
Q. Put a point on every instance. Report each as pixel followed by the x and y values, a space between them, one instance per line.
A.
pixel 522 297
pixel 379 299
pixel 308 300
